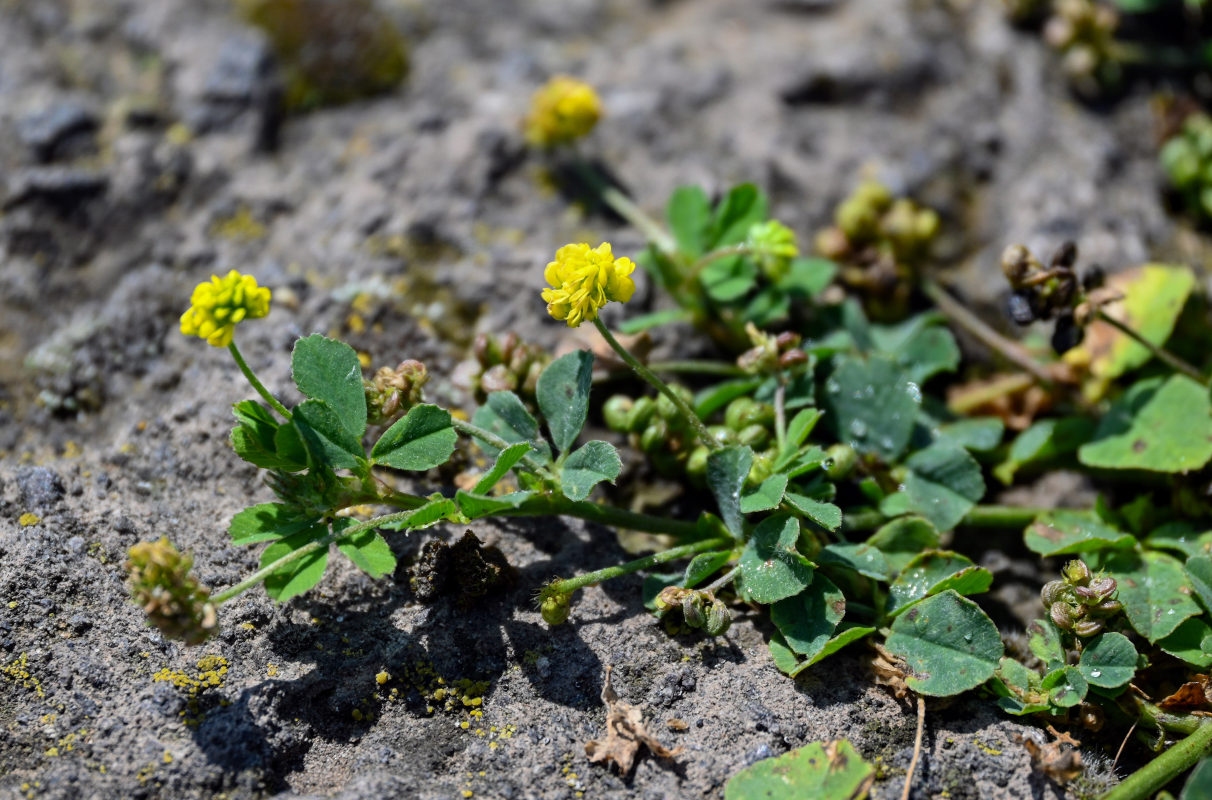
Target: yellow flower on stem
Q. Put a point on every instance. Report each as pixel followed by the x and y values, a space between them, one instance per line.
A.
pixel 583 279
pixel 563 110
pixel 217 305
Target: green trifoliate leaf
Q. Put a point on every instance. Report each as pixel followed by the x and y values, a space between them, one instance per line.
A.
pixel 563 395
pixel 1199 573
pixel 422 440
pixel 936 571
pixel 789 663
pixel 979 434
pixel 1066 687
pixel 1191 642
pixel 827 515
pixel 1155 592
pixel 299 575
pixel 328 370
pixel 506 460
pixel 808 619
pixel 744 205
pixel 861 558
pixel 703 566
pixel 689 214
pixel 771 567
pixel 1108 661
pixel 1162 426
pixel 920 346
pixel 326 437
pixel 809 276
pixel 254 435
pixel 1046 440
pixel 902 539
pixel 290 448
pixel 268 521
pixel 1180 537
pixel 505 415
pixel 367 549
pixel 1199 782
pixel 1066 532
pixel 833 771
pixel 728 279
pixel 944 484
pixel 588 466
pixel 1045 642
pixel 726 473
pixel 948 643
pixel 872 405
pixel 766 495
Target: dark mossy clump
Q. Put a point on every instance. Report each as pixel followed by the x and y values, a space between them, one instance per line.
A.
pixel 468 570
pixel 331 51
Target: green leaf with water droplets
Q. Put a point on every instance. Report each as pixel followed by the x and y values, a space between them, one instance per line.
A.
pixel 872 405
pixel 935 571
pixel 1155 592
pixel 1066 687
pixel 771 567
pixel 948 644
pixel 807 620
pixel 1108 660
pixel 1065 532
pixel 833 771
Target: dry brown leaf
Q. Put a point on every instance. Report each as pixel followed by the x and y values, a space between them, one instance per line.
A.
pixel 1060 759
pixel 1191 695
pixel 625 732
pixel 676 724
pixel 889 672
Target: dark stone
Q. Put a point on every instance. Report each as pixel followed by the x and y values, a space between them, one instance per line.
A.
pixel 41 488
pixel 64 188
pixel 58 130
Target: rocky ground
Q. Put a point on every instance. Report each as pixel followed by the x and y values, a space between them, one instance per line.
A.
pixel 140 154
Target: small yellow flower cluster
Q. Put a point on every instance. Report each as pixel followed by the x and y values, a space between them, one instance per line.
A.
pixel 217 305
pixel 564 109
pixel 583 279
pixel 773 245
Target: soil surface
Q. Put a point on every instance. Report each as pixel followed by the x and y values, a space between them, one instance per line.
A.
pixel 140 155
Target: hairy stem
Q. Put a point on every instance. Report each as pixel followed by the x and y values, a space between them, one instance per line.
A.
pixel 256 382
pixel 1165 355
pixel 553 505
pixel 961 316
pixel 1147 780
pixel 673 554
pixel 648 375
pixel 978 517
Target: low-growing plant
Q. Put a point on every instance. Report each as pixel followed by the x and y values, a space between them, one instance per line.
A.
pixel 844 487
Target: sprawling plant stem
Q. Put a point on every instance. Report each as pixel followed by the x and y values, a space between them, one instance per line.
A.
pixel 1147 780
pixel 978 517
pixel 672 554
pixel 256 382
pixel 1173 361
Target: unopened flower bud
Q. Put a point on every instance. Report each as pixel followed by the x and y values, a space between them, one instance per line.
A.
pixel 693 611
pixel 793 358
pixel 1076 572
pixel 719 618
pixel 555 608
pixel 842 460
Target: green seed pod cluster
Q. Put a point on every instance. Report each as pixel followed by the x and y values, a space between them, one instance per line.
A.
pixel 555 608
pixel 159 581
pixel 654 426
pixel 1187 161
pixel 1080 602
pixel 392 392
pixel 1083 32
pixel 505 363
pixel 699 608
pixel 881 243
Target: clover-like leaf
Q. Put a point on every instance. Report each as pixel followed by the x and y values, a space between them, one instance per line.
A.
pixel 872 405
pixel 1108 661
pixel 423 439
pixel 703 565
pixel 1066 686
pixel 588 466
pixel 833 771
pixel 563 396
pixel 944 483
pixel 861 558
pixel 902 539
pixel 936 571
pixel 367 549
pixel 726 473
pixel 326 437
pixel 329 370
pixel 436 509
pixel 807 620
pixel 268 521
pixel 827 515
pixel 689 214
pixel 505 415
pixel 1065 532
pixel 766 495
pixel 1199 573
pixel 1191 642
pixel 506 460
pixel 1046 440
pixel 1043 638
pixel 1161 425
pixel 771 567
pixel 475 505
pixel 1155 592
pixel 948 643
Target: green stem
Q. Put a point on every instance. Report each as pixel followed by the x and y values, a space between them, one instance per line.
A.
pixel 1147 780
pixel 780 414
pixel 311 547
pixel 672 554
pixel 648 375
pixel 652 230
pixel 1165 355
pixel 555 505
pixel 488 437
pixel 698 367
pixel 716 255
pixel 725 579
pixel 256 382
pixel 978 517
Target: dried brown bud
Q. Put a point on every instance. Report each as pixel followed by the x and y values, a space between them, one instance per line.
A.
pixel 159 581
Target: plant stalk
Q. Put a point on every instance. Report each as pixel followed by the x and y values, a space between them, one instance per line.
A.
pixel 1165 355
pixel 673 554
pixel 698 367
pixel 652 230
pixel 476 432
pixel 256 382
pixel 978 517
pixel 1147 780
pixel 648 375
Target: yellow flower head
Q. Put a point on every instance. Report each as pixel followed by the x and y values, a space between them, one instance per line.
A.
pixel 583 279
pixel 564 109
pixel 218 304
